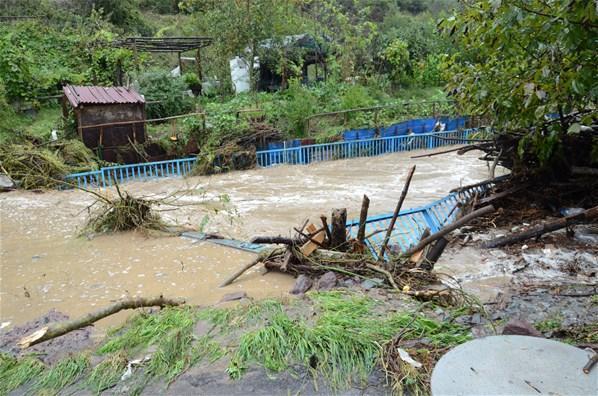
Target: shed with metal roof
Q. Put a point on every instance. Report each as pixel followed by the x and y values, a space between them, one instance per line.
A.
pixel 107 118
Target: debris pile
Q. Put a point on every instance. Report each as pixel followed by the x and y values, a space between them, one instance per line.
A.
pixel 326 256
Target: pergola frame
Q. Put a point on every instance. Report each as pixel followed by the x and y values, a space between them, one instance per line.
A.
pixel 168 44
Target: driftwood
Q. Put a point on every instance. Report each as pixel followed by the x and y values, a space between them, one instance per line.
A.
pixel 502 194
pixel 339 229
pixel 584 217
pixel 434 254
pixel 326 228
pixel 391 226
pixel 593 360
pixel 451 227
pixel 56 330
pixel 363 216
pixel 470 147
pixel 275 240
pixel 261 257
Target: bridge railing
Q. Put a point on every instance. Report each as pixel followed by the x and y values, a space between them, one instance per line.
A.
pixel 411 223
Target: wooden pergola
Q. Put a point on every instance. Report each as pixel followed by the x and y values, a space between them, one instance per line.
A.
pixel 168 44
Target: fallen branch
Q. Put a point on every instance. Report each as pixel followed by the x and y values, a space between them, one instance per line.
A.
pixel 265 240
pixel 443 152
pixel 451 227
pixel 261 257
pixel 391 226
pixel 584 217
pixel 56 330
pixel 385 272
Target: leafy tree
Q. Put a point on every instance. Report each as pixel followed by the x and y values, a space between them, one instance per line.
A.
pixel 523 63
pixel 397 56
pixel 239 26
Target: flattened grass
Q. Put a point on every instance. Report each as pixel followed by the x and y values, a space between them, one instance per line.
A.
pixel 14 373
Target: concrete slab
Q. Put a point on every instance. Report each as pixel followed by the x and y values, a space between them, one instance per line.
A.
pixel 514 365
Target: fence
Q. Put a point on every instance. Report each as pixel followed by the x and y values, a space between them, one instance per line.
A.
pixel 412 223
pixel 359 148
pixel 293 155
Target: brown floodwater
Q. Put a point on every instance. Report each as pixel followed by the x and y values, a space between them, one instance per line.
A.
pixel 48 262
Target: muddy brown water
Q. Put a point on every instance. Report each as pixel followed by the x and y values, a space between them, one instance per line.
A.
pixel 46 263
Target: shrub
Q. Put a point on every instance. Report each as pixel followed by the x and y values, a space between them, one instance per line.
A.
pixel 170 91
pixel 298 105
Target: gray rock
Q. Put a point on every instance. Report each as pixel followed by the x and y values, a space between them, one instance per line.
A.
pixel 302 284
pixel 6 183
pixel 327 281
pixel 520 327
pixel 372 282
pixel 233 296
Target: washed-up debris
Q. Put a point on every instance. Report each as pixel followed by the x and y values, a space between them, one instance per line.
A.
pixel 324 256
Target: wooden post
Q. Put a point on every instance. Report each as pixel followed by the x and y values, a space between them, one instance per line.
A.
pixel 391 226
pixel 180 63
pixel 339 230
pixel 363 216
pixel 199 70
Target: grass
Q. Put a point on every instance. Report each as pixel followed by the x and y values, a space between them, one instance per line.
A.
pixel 339 336
pixel 148 329
pixel 14 373
pixel 66 372
pixel 343 344
pixel 108 373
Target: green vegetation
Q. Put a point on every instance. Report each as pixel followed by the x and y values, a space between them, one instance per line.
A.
pixel 337 336
pixel 14 373
pixel 531 67
pixel 65 373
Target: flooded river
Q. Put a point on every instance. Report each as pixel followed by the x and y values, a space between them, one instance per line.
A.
pixel 47 263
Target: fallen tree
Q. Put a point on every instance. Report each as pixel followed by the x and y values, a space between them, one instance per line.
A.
pixel 586 216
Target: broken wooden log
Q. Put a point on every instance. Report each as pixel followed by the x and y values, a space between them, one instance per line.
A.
pixel 363 216
pixel 502 194
pixel 391 226
pixel 56 330
pixel 338 234
pixel 275 240
pixel 315 238
pixel 434 254
pixel 326 228
pixel 586 216
pixel 450 227
pixel 261 257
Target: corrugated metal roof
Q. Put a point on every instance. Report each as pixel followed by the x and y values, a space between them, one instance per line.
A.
pixel 78 95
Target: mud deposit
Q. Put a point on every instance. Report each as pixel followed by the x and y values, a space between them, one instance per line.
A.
pixel 46 263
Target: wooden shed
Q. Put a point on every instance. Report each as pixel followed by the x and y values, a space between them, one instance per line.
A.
pixel 106 117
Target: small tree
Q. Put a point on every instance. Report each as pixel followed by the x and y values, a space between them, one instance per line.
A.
pixel 523 63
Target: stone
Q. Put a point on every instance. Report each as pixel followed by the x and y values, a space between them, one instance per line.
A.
pixel 520 327
pixel 302 284
pixel 233 296
pixel 327 281
pixel 371 283
pixel 6 183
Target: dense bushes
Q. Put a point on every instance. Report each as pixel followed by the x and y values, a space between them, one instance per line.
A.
pixel 169 91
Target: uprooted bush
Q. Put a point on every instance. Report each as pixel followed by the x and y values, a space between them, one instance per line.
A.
pixel 123 213
pixel 32 167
